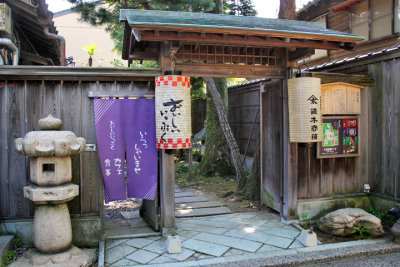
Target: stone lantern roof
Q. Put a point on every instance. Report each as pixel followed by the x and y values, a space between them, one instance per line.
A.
pixel 50 141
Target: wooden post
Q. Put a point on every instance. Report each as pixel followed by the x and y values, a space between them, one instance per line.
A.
pixel 190 164
pixel 167 179
pixel 167 192
pixel 289 172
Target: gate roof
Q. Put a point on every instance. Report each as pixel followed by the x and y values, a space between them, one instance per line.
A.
pixel 223 36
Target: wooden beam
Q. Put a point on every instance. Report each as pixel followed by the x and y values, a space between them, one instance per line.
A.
pixel 237 40
pixel 227 70
pixel 362 80
pixel 77 73
pixel 256 32
pixel 300 53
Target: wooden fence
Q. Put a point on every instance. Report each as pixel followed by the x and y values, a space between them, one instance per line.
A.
pixel 244 102
pixel 30 93
pixel 385 128
pixel 199 113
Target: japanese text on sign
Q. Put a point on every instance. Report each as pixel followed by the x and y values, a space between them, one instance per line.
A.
pixel 169 115
pixel 313 119
pixel 138 151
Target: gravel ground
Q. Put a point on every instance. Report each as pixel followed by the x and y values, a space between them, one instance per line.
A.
pixel 112 210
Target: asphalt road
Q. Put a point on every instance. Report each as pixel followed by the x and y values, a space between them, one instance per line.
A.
pixel 386 260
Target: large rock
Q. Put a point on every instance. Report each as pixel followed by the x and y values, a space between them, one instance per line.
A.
pixel 342 222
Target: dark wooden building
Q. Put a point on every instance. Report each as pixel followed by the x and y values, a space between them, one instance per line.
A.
pixel 29 25
pixel 378 57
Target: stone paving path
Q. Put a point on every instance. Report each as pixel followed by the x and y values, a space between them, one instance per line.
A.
pixel 187 204
pixel 208 237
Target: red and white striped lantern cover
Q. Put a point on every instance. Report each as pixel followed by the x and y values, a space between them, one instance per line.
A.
pixel 173 112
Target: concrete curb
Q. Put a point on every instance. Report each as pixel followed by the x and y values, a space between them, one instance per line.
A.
pixel 6 244
pixel 299 256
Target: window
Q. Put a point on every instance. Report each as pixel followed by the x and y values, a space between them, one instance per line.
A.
pixel 397 16
pixel 359 19
pixel 381 18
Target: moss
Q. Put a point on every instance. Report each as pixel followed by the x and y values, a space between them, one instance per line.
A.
pixel 269 199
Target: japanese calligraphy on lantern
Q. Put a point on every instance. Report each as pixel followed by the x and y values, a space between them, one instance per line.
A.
pixel 173 112
pixel 304 99
pixel 340 137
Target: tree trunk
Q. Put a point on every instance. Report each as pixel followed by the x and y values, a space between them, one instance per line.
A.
pixel 216 154
pixel 251 189
pixel 223 119
pixel 287 9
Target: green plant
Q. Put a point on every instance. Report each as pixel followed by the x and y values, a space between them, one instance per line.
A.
pixel 117 63
pixel 362 231
pixel 304 220
pixel 376 212
pixel 91 49
pixel 91 245
pixel 8 258
pixel 18 242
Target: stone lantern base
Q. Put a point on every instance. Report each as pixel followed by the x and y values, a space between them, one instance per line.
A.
pixel 52 228
pixel 72 257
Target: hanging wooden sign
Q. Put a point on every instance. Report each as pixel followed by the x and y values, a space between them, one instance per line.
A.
pixel 173 112
pixel 340 98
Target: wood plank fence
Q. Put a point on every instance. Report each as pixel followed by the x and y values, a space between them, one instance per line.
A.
pixel 244 101
pixel 30 93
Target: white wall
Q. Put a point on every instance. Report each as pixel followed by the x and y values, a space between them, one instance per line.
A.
pixel 77 34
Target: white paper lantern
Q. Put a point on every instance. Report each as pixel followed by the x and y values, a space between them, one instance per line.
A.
pixel 173 112
pixel 305 120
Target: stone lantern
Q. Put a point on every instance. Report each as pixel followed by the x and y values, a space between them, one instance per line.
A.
pixel 50 170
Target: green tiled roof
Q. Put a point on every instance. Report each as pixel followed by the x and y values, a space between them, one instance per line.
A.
pixel 226 23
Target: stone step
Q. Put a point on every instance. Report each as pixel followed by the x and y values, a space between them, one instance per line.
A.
pixel 184 194
pixel 202 212
pixel 197 205
pixel 180 200
pixel 6 244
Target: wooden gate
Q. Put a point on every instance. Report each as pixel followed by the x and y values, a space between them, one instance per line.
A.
pixel 271 144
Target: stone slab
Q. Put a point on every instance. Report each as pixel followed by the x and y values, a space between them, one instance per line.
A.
pixel 190 199
pixel 233 242
pixel 196 205
pixel 114 242
pixel 137 223
pixel 161 259
pixel 130 214
pixel 199 221
pixel 184 194
pixel 139 242
pixel 156 247
pixel 201 228
pixel 268 248
pixel 118 252
pixel 186 253
pixel 202 212
pixel 279 232
pixel 248 234
pixel 142 256
pixel 205 247
pixel 123 262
